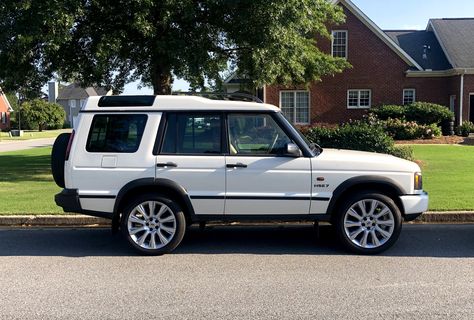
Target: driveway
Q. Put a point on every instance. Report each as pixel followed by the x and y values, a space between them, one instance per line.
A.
pixel 236 273
pixel 25 144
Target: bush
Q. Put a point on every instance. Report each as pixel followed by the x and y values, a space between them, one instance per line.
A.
pixel 352 137
pixel 465 128
pixel 39 114
pixel 389 111
pixel 404 152
pixel 409 130
pixel 428 113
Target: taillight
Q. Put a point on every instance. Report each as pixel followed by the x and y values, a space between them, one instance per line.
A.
pixel 69 144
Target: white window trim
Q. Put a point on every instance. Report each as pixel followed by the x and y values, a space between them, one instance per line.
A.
pixel 358 99
pixel 294 102
pixel 406 90
pixel 346 44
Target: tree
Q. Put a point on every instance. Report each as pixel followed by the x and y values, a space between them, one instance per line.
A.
pixel 40 114
pixel 114 42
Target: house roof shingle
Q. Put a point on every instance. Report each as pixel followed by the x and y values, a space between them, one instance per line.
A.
pixel 413 42
pixel 457 39
pixel 75 91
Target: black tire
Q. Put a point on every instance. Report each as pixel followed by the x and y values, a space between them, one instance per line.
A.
pixel 153 228
pixel 370 228
pixel 58 157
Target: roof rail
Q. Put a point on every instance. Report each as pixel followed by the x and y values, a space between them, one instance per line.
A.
pixel 237 96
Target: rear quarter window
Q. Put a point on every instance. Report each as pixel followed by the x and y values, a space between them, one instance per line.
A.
pixel 118 133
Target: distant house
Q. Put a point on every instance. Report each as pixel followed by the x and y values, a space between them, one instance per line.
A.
pixel 72 96
pixel 5 110
pixel 389 67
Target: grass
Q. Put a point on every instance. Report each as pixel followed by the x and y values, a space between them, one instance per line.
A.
pixel 26 184
pixel 448 175
pixel 33 134
pixel 27 187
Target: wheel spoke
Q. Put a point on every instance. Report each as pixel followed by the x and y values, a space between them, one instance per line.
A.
pixel 162 210
pixel 153 240
pixel 361 205
pixel 162 238
pixel 350 224
pixel 385 222
pixel 141 240
pixel 135 231
pixel 381 213
pixel 375 240
pixel 354 214
pixel 354 234
pixel 167 229
pixel 363 243
pixel 141 209
pixel 384 233
pixel 151 206
pixel 135 219
pixel 373 206
pixel 167 219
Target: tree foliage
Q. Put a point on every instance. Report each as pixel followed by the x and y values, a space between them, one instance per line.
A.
pixel 112 42
pixel 40 114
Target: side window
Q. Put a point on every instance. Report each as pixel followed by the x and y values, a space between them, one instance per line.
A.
pixel 116 133
pixel 193 134
pixel 256 134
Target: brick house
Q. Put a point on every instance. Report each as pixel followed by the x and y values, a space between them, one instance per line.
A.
pixel 389 67
pixel 5 110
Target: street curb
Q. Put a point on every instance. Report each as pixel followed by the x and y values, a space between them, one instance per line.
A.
pixel 88 221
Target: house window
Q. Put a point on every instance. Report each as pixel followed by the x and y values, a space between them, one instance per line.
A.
pixel 295 106
pixel 3 117
pixel 359 99
pixel 408 96
pixel 339 43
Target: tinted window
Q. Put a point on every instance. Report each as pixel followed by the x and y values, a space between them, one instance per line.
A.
pixel 192 134
pixel 256 134
pixel 116 133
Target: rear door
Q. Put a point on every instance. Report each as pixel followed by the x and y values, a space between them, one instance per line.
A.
pixel 192 155
pixel 261 180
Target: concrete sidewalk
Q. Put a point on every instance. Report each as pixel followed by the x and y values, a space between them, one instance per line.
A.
pixel 88 221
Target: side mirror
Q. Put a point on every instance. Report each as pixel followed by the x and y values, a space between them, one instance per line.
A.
pixel 293 150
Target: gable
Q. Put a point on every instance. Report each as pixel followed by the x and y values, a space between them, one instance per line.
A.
pixel 4 103
pixel 347 4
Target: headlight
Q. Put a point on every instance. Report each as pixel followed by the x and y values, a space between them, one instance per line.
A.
pixel 418 181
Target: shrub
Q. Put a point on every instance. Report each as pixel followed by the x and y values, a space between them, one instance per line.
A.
pixel 428 113
pixel 352 137
pixel 409 130
pixel 465 128
pixel 404 152
pixel 389 111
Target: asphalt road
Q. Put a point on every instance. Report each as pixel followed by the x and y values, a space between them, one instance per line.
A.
pixel 25 144
pixel 236 273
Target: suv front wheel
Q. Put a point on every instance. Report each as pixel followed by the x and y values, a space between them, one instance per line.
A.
pixel 368 223
pixel 153 225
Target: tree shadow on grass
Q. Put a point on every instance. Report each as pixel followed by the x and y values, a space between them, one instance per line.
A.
pixel 21 168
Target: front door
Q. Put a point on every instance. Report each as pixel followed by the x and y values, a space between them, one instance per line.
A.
pixel 471 107
pixel 192 156
pixel 260 178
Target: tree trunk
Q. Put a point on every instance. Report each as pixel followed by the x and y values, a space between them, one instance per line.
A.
pixel 161 80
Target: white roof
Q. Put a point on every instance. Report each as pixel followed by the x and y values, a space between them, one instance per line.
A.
pixel 178 103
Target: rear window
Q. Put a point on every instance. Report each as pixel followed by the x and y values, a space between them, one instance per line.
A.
pixel 120 133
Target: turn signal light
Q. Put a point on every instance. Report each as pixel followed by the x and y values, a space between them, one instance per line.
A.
pixel 418 181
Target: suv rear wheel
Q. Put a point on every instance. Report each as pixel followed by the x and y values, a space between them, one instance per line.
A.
pixel 153 225
pixel 368 223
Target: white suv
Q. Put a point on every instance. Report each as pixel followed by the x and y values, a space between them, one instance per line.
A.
pixel 155 165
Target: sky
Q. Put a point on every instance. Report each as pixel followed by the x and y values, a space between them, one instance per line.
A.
pixel 388 15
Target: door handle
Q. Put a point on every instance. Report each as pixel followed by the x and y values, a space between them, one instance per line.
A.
pixel 236 165
pixel 167 164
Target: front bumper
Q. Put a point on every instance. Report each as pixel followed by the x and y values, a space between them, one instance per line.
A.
pixel 414 205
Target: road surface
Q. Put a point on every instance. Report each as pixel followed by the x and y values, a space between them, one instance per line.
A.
pixel 6 146
pixel 236 273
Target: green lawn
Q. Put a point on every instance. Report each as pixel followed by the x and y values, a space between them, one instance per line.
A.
pixel 448 175
pixel 27 187
pixel 26 184
pixel 33 134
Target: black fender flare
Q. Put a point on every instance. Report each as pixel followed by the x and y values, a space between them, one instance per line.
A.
pixel 362 180
pixel 166 184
